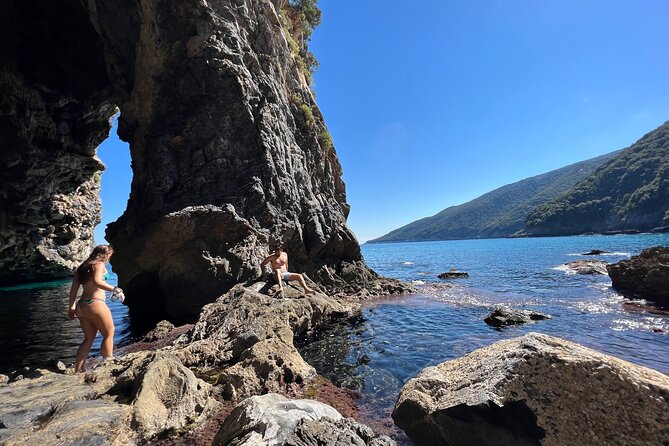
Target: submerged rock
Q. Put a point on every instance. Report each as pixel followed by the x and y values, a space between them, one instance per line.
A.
pixel 644 276
pixel 453 274
pixel 273 420
pixel 591 266
pixel 501 316
pixel 535 389
pixel 594 252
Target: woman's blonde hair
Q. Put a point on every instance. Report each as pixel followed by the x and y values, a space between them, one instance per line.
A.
pixel 101 253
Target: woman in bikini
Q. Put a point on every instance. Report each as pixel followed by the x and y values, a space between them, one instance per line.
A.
pixel 91 309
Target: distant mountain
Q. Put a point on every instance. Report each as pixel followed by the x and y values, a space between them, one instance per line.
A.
pixel 628 193
pixel 499 213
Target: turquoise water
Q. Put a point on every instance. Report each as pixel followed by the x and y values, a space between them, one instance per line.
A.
pixel 393 340
pixel 34 326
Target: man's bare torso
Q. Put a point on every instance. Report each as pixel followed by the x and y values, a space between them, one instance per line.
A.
pixel 279 262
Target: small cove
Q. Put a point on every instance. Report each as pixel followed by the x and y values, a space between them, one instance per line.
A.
pixel 394 339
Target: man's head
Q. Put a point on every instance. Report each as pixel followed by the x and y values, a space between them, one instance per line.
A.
pixel 277 248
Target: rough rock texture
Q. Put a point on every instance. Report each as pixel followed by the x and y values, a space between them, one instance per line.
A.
pixel 645 276
pixel 275 420
pixel 226 143
pixel 128 400
pixel 501 316
pixel 246 338
pixel 53 115
pixel 229 150
pixel 532 390
pixel 161 331
pixel 586 267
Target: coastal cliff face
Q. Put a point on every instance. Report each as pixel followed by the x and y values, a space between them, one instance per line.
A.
pixel 52 118
pixel 230 153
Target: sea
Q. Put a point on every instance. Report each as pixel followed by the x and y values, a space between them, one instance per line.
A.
pixel 393 339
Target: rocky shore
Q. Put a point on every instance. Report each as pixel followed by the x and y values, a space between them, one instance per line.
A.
pixel 176 384
pixel 535 390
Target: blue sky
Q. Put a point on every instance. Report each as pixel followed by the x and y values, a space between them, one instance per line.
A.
pixel 433 103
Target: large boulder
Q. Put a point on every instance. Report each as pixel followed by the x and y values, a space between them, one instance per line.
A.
pixel 273 420
pixel 246 337
pixel 644 276
pixel 585 267
pixel 535 390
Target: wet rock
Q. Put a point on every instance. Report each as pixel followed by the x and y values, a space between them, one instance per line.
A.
pixel 594 252
pixel 535 389
pixel 273 419
pixel 502 316
pixel 246 337
pixel 644 276
pixel 162 330
pixel 586 267
pixel 453 274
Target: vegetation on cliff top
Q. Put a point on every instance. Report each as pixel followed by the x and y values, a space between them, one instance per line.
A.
pixel 499 213
pixel 629 192
pixel 300 18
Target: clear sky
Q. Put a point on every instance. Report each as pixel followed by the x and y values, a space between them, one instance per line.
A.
pixel 432 103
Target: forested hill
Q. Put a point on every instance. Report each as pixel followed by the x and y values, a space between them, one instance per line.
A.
pixel 499 213
pixel 628 193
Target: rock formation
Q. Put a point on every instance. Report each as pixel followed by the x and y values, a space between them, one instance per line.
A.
pixel 242 345
pixel 585 267
pixel 502 316
pixel 535 390
pixel 644 276
pixel 53 115
pixel 229 150
pixel 273 420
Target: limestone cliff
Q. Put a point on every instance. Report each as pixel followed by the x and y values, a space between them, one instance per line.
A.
pixel 229 151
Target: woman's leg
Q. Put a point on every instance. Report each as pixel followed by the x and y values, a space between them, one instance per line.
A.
pixel 102 318
pixel 90 332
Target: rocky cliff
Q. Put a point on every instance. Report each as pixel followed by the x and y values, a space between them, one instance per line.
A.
pixel 229 151
pixel 53 115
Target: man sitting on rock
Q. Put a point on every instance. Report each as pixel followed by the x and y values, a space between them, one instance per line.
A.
pixel 279 262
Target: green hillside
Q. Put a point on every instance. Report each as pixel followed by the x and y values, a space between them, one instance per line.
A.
pixel 499 213
pixel 628 193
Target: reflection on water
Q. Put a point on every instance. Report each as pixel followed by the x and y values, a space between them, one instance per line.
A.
pixel 393 340
pixel 34 326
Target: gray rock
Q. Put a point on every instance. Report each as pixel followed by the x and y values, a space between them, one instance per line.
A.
pixel 594 252
pixel 586 267
pixel 536 389
pixel 343 432
pixel 246 337
pixel 644 276
pixel 502 316
pixel 272 419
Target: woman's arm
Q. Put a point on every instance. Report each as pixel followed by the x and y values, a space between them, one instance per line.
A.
pixel 98 277
pixel 73 296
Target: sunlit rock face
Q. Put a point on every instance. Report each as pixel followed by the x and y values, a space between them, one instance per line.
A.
pixel 229 150
pixel 53 114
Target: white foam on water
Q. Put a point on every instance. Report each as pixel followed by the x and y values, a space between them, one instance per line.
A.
pixel 655 324
pixel 418 282
pixel 408 263
pixel 565 269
